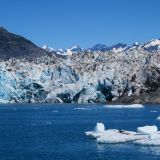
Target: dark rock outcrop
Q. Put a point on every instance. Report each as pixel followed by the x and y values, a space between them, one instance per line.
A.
pixel 15 46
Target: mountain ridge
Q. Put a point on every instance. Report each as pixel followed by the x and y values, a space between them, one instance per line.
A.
pixel 151 45
pixel 16 46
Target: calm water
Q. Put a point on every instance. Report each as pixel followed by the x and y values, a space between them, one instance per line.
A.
pixel 56 132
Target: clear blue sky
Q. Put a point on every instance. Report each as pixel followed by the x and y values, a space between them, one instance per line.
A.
pixel 64 23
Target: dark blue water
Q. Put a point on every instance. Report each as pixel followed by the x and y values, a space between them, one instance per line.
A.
pixel 56 132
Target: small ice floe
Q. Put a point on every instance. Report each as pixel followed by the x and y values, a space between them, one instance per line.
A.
pixel 153 138
pixel 36 108
pixel 81 108
pixel 99 130
pixel 112 135
pixel 158 118
pixel 153 111
pixel 147 130
pixel 125 106
pixel 115 136
pixel 147 135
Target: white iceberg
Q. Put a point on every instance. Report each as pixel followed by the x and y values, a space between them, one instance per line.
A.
pixel 112 135
pixel 118 137
pixel 147 135
pixel 125 106
pixel 99 128
pixel 147 130
pixel 98 131
pixel 154 136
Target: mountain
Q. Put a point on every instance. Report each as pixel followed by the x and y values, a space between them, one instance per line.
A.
pixel 68 51
pixel 15 46
pixel 98 47
pixel 150 46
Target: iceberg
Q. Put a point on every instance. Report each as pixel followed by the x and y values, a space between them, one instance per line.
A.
pixel 147 135
pixel 99 128
pixel 118 137
pixel 147 130
pixel 112 135
pixel 125 106
pixel 154 136
pixel 98 131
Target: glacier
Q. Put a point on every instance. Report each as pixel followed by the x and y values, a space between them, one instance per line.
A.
pixel 124 76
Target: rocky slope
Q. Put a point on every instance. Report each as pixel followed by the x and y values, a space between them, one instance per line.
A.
pixel 130 75
pixel 15 46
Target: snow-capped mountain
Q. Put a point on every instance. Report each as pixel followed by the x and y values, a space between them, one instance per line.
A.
pixel 98 47
pixel 150 46
pixel 103 48
pixel 49 49
pixel 68 51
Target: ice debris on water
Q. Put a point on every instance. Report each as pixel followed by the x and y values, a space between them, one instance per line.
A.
pixel 125 106
pixel 147 135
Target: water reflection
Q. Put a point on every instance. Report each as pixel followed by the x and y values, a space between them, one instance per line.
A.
pixel 128 147
pixel 154 150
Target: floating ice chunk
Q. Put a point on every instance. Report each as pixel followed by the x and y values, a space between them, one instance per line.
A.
pixel 125 106
pixel 153 111
pixel 81 108
pixel 99 128
pixel 121 136
pixel 147 129
pixel 158 118
pixel 148 142
pixel 93 134
pixel 118 137
pixel 154 136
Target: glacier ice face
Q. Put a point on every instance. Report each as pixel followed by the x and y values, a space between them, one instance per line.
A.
pixel 98 77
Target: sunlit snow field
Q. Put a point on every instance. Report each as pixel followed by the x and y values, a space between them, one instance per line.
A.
pixel 56 132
